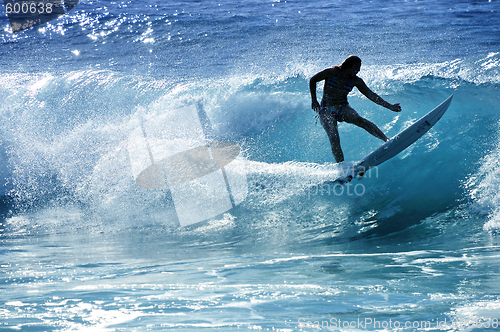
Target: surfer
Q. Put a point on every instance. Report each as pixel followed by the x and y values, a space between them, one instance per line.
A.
pixel 339 81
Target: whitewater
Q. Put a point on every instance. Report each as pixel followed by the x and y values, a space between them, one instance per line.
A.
pixel 412 246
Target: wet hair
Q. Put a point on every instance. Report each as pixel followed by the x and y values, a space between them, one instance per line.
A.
pixel 350 61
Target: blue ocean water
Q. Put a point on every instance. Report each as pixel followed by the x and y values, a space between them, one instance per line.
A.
pixel 412 246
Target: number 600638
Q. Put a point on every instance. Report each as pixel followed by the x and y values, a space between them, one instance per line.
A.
pixel 28 8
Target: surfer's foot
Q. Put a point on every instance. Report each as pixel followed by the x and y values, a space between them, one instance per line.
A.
pixel 361 174
pixel 349 178
pixel 345 180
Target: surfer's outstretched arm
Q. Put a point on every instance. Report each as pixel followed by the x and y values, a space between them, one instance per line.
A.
pixel 361 85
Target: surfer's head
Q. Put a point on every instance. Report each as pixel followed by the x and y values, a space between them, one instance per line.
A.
pixel 351 65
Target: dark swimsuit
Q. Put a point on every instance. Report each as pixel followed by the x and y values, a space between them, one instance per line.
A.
pixel 347 86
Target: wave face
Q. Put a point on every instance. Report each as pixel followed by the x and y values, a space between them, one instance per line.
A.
pixel 85 247
pixel 66 135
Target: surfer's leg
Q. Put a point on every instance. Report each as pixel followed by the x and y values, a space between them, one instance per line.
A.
pixel 335 144
pixel 349 115
pixel 329 123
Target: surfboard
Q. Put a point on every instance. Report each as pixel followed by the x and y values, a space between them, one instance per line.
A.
pixel 399 142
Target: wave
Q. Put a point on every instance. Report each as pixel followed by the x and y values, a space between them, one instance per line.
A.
pixel 482 187
pixel 477 70
pixel 64 138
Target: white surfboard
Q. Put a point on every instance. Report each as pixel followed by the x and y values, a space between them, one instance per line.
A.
pixel 401 141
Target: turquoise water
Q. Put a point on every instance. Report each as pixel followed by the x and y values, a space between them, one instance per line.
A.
pixel 412 246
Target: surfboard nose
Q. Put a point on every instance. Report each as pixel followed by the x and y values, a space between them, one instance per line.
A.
pixel 405 138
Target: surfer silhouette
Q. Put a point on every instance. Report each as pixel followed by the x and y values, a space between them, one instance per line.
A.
pixel 334 107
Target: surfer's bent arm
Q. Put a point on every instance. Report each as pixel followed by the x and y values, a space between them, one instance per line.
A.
pixel 321 76
pixel 360 84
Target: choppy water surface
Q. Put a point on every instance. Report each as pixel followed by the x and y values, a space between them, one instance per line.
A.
pixel 412 246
